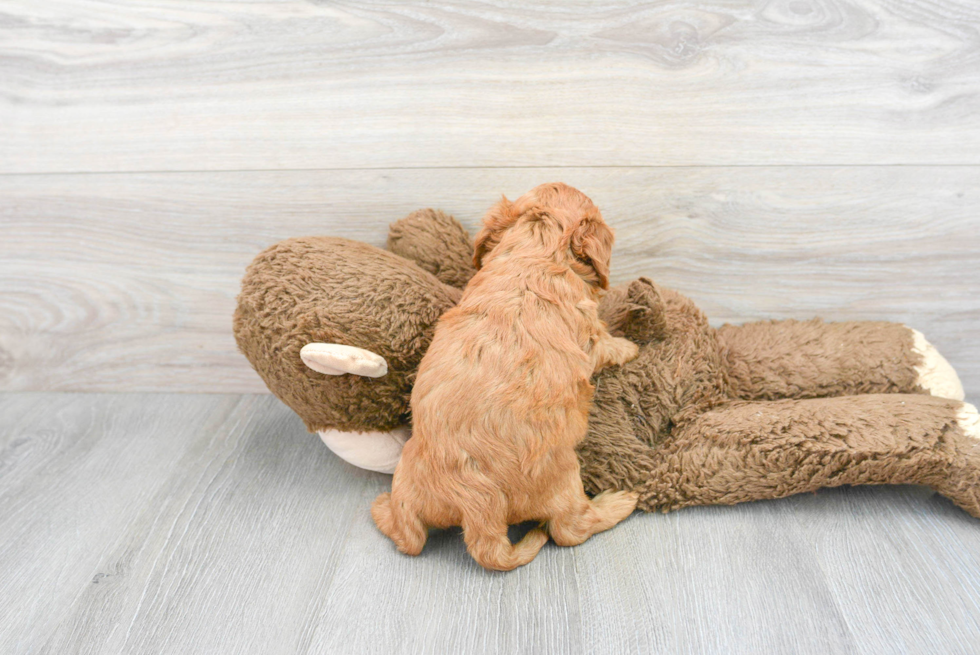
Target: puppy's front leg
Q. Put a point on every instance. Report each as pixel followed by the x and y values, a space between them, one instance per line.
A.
pixel 604 348
pixel 608 350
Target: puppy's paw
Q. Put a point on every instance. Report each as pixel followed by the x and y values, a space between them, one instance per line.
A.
pixel 621 351
pixel 533 541
pixel 616 505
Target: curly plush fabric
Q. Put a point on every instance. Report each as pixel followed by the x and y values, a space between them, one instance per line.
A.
pixel 681 424
pixel 437 243
pixel 813 359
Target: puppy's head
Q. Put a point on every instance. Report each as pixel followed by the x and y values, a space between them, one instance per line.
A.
pixel 565 222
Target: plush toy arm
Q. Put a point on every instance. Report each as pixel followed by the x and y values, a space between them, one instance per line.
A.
pixel 794 359
pixel 437 243
pixel 770 449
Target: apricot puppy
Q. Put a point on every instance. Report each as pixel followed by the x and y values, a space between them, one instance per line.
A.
pixel 502 396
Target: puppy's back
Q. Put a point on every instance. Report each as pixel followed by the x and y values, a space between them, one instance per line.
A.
pixel 505 374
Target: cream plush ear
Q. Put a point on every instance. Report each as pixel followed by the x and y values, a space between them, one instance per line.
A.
pixel 337 359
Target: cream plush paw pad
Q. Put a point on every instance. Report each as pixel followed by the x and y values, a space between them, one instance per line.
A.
pixel 374 451
pixel 935 373
pixel 969 421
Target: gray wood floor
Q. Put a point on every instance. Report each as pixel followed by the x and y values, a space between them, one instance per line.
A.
pixel 179 523
pixel 777 158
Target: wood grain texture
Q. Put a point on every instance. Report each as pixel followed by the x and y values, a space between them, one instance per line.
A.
pixel 843 570
pixel 165 524
pixel 127 282
pixel 97 85
pixel 174 523
pixel 777 159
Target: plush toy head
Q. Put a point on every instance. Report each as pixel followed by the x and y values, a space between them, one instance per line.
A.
pixel 328 291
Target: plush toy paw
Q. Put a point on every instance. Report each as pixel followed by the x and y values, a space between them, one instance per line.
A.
pixel 969 421
pixel 936 375
pixel 962 482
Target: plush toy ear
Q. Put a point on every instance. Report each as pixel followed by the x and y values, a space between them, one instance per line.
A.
pixel 338 359
pixel 498 220
pixel 591 244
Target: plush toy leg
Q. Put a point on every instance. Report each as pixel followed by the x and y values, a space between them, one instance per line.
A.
pixel 810 359
pixel 757 450
pixel 374 451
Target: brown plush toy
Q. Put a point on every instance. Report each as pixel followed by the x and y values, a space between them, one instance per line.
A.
pixel 337 328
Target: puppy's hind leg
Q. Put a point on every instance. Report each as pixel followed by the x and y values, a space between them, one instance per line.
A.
pixel 487 542
pixel 575 518
pixel 401 523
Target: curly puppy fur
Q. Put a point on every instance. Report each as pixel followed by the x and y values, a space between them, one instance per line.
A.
pixel 502 396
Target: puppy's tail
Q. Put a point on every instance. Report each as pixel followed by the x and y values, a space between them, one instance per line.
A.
pixel 489 546
pixel 400 523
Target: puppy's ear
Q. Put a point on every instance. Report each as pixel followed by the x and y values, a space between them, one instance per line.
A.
pixel 591 244
pixel 497 221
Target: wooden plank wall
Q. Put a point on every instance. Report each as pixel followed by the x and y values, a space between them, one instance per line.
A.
pixel 770 159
